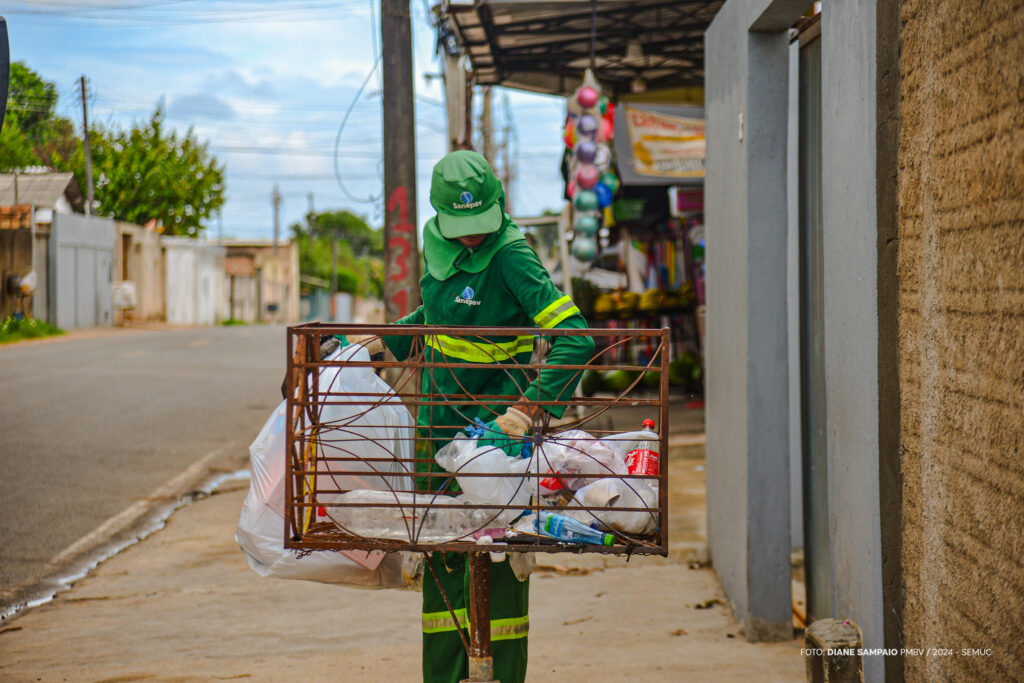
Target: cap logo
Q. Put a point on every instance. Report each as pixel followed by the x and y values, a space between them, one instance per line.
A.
pixel 466 199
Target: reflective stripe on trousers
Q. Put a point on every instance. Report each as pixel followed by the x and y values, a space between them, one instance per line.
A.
pixel 501 629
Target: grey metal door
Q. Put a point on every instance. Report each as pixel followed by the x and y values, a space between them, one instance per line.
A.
pixel 80 277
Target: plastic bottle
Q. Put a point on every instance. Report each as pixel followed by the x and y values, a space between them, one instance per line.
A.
pixel 401 521
pixel 569 530
pixel 644 459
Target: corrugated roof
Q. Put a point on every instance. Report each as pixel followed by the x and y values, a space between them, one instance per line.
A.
pixel 545 46
pixel 39 189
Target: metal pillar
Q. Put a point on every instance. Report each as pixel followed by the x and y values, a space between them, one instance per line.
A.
pixel 481 659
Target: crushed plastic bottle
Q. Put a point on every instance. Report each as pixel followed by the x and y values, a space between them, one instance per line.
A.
pixel 401 521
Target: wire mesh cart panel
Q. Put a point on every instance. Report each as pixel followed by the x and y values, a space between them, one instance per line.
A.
pixel 365 475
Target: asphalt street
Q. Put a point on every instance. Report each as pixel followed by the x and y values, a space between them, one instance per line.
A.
pixel 92 424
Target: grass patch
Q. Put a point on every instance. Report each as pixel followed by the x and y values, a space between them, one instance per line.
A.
pixel 15 329
pixel 231 321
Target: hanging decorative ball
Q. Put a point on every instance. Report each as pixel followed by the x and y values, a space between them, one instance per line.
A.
pixel 585 200
pixel 570 188
pixel 585 151
pixel 584 248
pixel 587 96
pixel 603 157
pixel 605 130
pixel 587 175
pixel 604 195
pixel 602 104
pixel 610 180
pixel 586 126
pixel 586 225
pixel 569 134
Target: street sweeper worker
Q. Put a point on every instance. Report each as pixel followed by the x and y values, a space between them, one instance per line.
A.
pixel 480 271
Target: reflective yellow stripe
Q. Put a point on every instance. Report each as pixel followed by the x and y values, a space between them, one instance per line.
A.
pixel 556 312
pixel 511 628
pixel 479 351
pixel 437 622
pixel 501 629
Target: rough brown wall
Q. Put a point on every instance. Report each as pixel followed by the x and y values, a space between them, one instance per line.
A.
pixel 961 321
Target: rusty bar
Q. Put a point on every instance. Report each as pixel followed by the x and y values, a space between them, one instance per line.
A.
pixel 663 456
pixel 328 329
pixel 481 661
pixel 290 426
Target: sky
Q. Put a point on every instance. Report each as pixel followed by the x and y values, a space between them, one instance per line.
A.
pixel 268 84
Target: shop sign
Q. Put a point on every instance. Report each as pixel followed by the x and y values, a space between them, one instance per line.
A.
pixel 665 146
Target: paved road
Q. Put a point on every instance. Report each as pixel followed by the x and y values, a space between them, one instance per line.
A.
pixel 92 424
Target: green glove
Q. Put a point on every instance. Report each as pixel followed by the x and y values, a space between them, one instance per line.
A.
pixel 505 433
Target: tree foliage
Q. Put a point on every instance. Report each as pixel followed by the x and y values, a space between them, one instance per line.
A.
pixel 150 173
pixel 141 174
pixel 360 269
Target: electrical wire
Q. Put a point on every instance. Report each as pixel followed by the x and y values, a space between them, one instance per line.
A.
pixel 341 129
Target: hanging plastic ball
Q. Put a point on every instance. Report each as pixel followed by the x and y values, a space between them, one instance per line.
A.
pixel 587 175
pixel 586 126
pixel 584 248
pixel 585 151
pixel 587 96
pixel 605 131
pixel 603 157
pixel 586 225
pixel 585 200
pixel 571 189
pixel 602 104
pixel 569 134
pixel 610 180
pixel 604 195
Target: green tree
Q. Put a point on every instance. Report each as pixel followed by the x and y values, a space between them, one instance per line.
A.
pixel 360 270
pixel 149 173
pixel 31 131
pixel 140 174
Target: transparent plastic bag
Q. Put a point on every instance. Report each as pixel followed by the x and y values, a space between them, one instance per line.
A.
pixel 614 492
pixel 577 452
pixel 463 456
pixel 261 524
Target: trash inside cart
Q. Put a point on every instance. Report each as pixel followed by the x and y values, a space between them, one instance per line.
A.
pixel 364 475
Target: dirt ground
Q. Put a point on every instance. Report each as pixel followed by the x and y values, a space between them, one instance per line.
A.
pixel 183 605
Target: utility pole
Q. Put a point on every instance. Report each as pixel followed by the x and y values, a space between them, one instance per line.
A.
pixel 401 260
pixel 487 126
pixel 275 198
pixel 509 172
pixel 88 153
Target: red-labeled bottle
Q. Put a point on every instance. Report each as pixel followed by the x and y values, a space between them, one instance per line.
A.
pixel 644 459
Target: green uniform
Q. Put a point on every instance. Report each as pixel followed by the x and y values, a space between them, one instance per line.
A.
pixel 512 289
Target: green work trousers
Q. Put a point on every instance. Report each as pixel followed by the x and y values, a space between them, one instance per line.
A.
pixel 444 656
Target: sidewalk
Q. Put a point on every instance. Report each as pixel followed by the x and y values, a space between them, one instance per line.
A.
pixel 183 605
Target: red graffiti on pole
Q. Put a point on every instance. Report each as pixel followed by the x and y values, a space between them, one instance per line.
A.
pixel 400 246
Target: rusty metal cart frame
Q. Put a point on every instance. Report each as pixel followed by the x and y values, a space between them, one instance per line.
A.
pixel 308 465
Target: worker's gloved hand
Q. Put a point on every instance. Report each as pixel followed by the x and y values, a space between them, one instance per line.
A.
pixel 506 432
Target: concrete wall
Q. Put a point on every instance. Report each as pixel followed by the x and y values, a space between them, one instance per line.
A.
pixel 851 316
pixel 143 265
pixel 961 264
pixel 749 506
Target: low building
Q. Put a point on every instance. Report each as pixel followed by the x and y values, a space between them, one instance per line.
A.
pixel 33 198
pixel 262 280
pixel 139 265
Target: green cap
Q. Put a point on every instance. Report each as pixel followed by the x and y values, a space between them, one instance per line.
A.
pixel 465 193
pixel 609 539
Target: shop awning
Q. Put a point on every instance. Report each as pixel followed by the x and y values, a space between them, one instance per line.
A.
pixel 545 46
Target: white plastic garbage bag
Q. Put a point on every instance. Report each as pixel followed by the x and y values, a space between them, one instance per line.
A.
pixel 577 452
pixel 385 429
pixel 619 493
pixel 462 456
